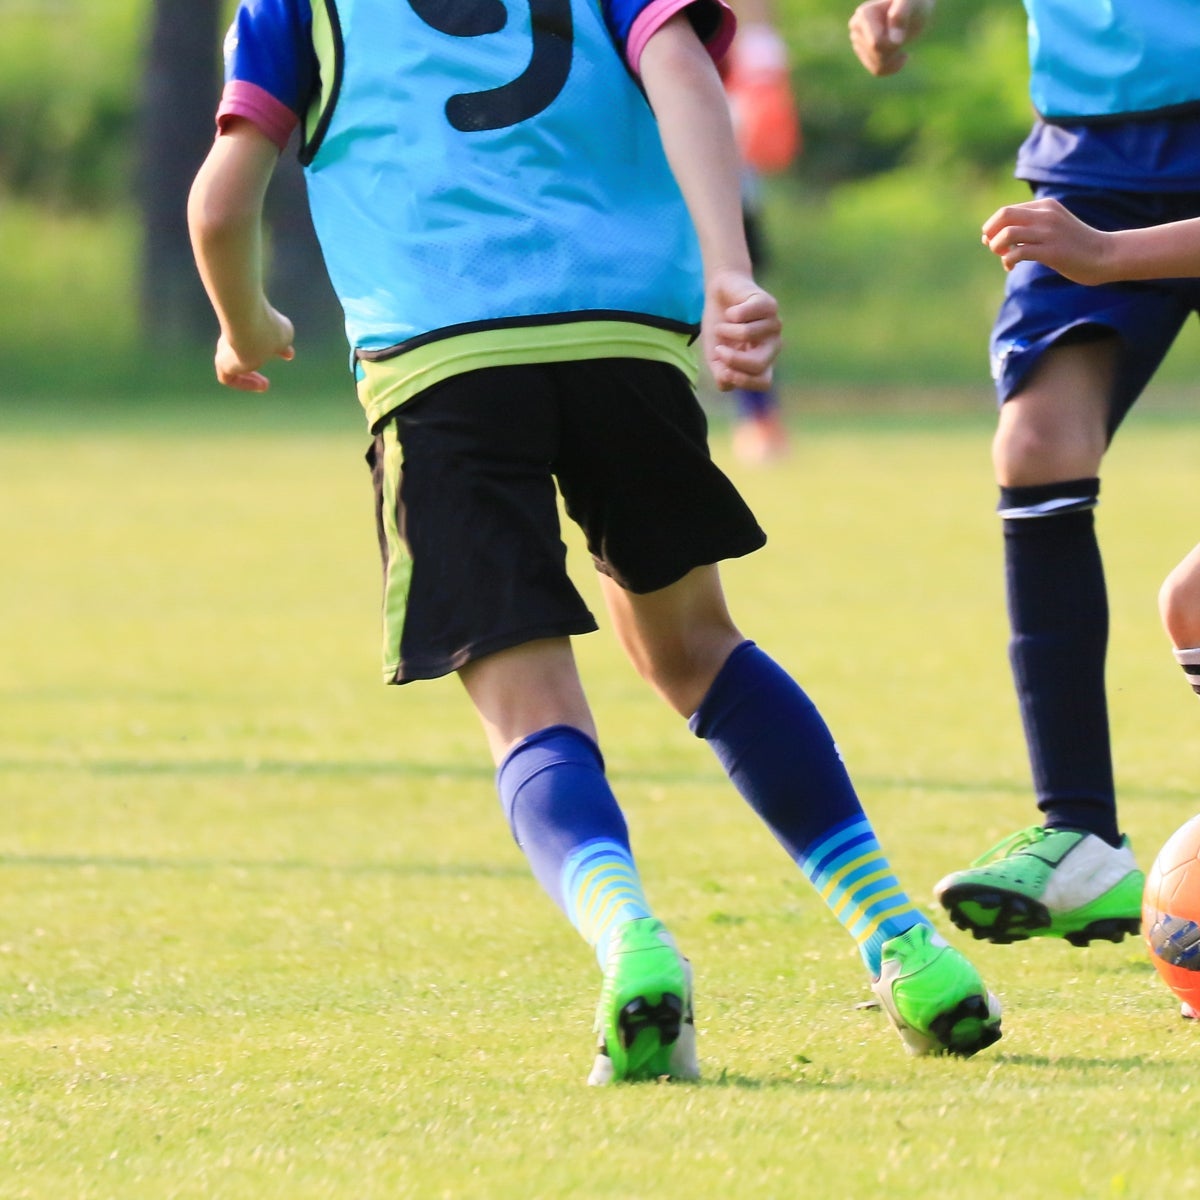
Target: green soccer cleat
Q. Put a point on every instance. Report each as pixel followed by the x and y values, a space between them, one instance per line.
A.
pixel 644 1018
pixel 1047 883
pixel 934 997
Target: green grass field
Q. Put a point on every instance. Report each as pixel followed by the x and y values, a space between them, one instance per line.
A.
pixel 264 932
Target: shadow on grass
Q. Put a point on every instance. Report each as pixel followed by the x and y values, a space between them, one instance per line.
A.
pixel 93 862
pixel 799 1082
pixel 1090 1070
pixel 250 766
pixel 244 766
pixel 1086 1066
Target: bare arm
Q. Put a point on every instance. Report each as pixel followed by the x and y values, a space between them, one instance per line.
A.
pixel 1044 231
pixel 225 221
pixel 881 29
pixel 754 12
pixel 741 331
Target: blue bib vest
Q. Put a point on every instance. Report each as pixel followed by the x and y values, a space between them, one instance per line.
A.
pixel 1107 59
pixel 474 165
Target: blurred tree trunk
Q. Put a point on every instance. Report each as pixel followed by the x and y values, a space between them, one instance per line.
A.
pixel 180 87
pixel 180 90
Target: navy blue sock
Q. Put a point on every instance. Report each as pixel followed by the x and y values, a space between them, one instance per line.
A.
pixel 1058 616
pixel 780 755
pixel 754 404
pixel 776 748
pixel 565 817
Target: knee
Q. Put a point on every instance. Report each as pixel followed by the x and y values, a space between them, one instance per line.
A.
pixel 1030 454
pixel 1033 448
pixel 682 671
pixel 1179 603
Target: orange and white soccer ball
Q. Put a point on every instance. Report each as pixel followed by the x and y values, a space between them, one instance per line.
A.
pixel 1171 913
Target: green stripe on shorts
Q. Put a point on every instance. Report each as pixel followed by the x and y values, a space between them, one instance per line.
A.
pixel 398 569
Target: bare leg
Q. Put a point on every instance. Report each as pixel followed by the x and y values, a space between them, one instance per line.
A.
pixel 527 688
pixel 565 817
pixel 1179 603
pixel 1056 427
pixel 1074 877
pixel 781 757
pixel 677 638
pixel 1047 452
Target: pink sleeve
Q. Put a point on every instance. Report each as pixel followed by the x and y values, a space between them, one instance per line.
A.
pixel 260 108
pixel 656 13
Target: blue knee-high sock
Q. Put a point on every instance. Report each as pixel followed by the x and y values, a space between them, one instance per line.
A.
pixel 780 755
pixel 1058 617
pixel 565 817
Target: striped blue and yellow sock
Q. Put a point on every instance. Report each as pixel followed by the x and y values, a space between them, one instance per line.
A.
pixel 852 875
pixel 781 757
pixel 565 817
pixel 601 890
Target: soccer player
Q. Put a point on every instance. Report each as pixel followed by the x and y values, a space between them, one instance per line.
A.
pixel 503 199
pixel 1117 142
pixel 1046 232
pixel 766 126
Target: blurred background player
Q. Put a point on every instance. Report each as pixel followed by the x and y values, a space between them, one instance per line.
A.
pixel 1117 141
pixel 500 350
pixel 766 123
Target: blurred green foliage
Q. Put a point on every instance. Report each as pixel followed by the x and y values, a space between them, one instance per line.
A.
pixel 962 98
pixel 70 75
pixel 68 98
pixel 875 231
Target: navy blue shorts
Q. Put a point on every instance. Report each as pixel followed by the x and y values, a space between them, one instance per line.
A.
pixel 1041 307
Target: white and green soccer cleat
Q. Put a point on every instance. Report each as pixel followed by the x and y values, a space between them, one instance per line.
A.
pixel 1048 883
pixel 934 997
pixel 644 1020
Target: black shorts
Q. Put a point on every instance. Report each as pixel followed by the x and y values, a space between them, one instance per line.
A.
pixel 467 512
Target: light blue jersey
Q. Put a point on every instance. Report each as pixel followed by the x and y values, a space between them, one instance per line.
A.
pixel 486 179
pixel 1104 59
pixel 474 175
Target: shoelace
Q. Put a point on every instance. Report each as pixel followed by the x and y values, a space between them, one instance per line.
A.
pixel 1012 844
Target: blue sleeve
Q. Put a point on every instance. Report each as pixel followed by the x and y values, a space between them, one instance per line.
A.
pixel 269 45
